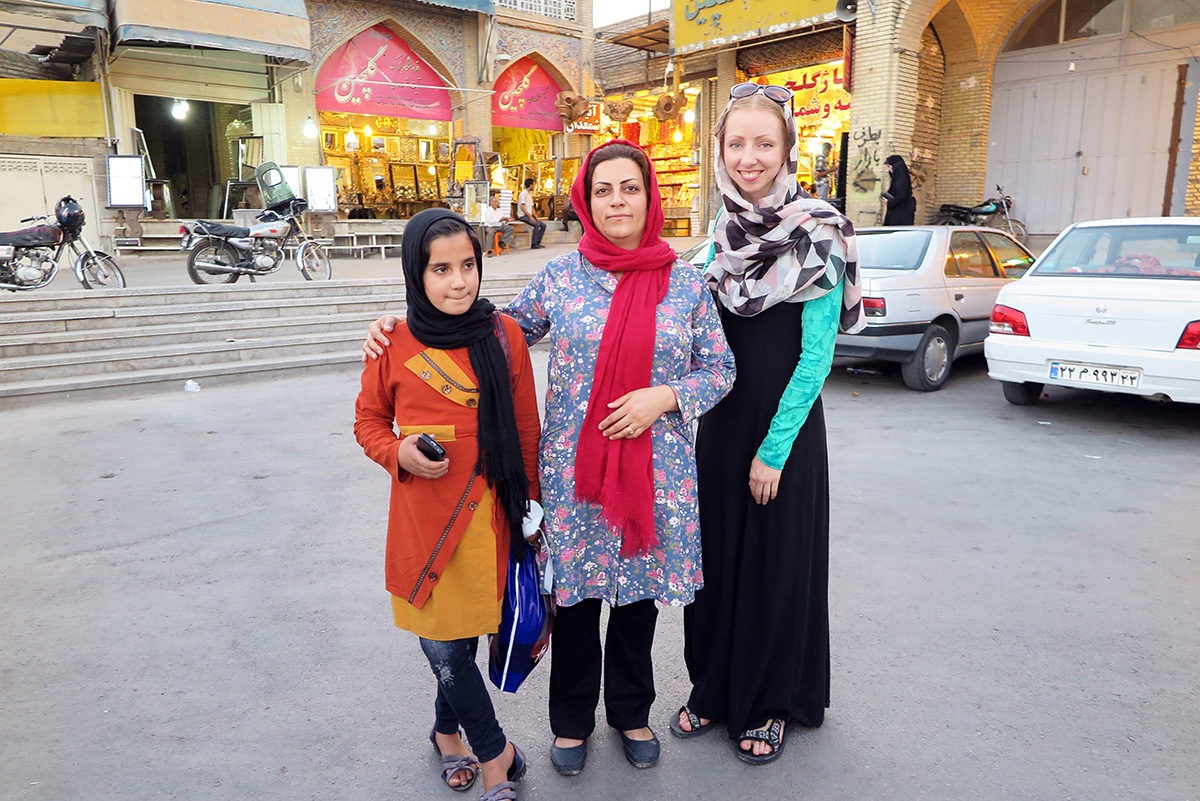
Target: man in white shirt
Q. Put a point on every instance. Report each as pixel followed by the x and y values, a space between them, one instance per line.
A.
pixel 495 220
pixel 527 215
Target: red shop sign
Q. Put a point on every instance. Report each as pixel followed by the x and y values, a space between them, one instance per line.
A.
pixel 524 98
pixel 376 72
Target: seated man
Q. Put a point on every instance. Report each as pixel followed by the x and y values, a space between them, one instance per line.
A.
pixel 495 220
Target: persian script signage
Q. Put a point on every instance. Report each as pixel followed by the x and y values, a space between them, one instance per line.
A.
pixel 377 72
pixel 699 24
pixel 524 98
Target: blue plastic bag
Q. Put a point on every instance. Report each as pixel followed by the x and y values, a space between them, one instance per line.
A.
pixel 526 618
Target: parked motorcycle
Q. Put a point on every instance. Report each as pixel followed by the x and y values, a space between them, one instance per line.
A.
pixel 220 253
pixel 993 212
pixel 29 258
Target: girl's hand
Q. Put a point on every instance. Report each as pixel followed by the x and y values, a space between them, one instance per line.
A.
pixel 764 482
pixel 636 411
pixel 376 338
pixel 411 459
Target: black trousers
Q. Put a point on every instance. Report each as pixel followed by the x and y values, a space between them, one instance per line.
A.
pixel 575 667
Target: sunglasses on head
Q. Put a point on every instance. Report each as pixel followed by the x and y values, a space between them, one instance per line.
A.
pixel 779 94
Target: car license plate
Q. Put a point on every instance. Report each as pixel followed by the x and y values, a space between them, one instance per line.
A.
pixel 7 251
pixel 1095 374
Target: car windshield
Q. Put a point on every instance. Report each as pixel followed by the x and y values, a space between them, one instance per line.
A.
pixel 1147 251
pixel 892 250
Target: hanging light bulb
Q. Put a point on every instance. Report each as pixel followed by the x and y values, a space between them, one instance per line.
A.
pixel 310 129
pixel 677 136
pixel 179 109
pixel 689 116
pixel 367 131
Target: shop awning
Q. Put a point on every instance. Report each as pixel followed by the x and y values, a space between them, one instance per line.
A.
pixel 276 28
pixel 655 37
pixel 82 12
pixel 482 6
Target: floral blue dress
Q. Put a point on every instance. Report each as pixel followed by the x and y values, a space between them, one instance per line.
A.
pixel 569 301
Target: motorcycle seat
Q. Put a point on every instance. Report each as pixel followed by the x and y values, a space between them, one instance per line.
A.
pixel 37 236
pixel 220 229
pixel 951 208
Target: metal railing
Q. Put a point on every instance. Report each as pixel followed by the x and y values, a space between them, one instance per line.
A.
pixel 558 9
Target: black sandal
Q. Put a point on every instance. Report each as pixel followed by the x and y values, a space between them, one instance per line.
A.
pixel 697 728
pixel 771 733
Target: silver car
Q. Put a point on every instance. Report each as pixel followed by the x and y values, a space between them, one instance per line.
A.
pixel 928 293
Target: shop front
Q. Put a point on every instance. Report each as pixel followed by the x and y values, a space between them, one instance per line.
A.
pixel 386 124
pixel 528 137
pixel 194 93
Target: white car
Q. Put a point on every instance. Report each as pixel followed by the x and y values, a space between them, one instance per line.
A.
pixel 928 293
pixel 1112 305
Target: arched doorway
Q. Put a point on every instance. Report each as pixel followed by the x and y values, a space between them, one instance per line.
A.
pixel 386 123
pixel 527 133
pixel 1089 111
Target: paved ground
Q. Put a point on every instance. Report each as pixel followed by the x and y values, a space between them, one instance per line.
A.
pixel 193 608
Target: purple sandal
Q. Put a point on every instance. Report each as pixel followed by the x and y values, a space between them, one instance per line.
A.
pixel 455 763
pixel 507 791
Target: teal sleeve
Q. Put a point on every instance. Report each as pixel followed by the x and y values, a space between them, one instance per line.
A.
pixel 820 319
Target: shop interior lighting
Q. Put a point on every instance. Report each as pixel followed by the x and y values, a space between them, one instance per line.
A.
pixel 677 136
pixel 351 140
pixel 689 116
pixel 367 131
pixel 310 129
pixel 179 109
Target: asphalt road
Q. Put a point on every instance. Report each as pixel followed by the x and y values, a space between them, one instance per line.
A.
pixel 193 608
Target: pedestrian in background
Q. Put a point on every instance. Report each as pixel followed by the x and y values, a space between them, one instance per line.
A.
pixel 901 205
pixel 527 214
pixel 784 269
pixel 452 521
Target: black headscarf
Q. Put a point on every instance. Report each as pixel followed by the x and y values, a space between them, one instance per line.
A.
pixel 499 460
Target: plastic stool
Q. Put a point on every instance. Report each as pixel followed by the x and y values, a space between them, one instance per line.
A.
pixel 498 248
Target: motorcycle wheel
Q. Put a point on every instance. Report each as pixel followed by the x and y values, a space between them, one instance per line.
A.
pixel 1018 230
pixel 313 262
pixel 948 219
pixel 211 250
pixel 98 270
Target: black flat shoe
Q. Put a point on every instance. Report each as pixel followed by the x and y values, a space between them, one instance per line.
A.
pixel 641 753
pixel 569 761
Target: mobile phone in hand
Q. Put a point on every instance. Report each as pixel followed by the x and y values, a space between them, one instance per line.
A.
pixel 430 447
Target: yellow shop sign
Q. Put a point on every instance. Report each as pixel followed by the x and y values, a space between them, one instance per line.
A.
pixel 700 24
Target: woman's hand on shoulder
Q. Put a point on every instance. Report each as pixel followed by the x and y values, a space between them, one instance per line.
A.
pixel 634 412
pixel 377 336
pixel 764 482
pixel 416 463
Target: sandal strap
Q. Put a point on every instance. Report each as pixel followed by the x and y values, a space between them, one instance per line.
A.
pixel 769 734
pixel 692 718
pixel 504 791
pixel 453 764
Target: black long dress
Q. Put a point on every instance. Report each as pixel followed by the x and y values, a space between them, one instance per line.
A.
pixel 756 639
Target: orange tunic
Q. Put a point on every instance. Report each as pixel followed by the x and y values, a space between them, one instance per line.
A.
pixel 434 391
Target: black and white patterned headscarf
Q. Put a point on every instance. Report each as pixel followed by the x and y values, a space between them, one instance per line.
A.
pixel 790 249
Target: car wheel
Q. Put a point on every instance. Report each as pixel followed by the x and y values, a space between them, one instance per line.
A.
pixel 1025 394
pixel 930 367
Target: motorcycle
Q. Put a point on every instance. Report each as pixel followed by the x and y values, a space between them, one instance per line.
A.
pixel 29 258
pixel 990 212
pixel 220 253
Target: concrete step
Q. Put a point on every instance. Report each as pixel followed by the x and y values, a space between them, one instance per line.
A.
pixel 220 329
pixel 23 369
pixel 24 393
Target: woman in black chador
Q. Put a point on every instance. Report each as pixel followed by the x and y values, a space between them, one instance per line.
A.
pixel 901 205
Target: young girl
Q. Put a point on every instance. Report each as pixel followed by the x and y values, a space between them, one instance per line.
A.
pixel 756 640
pixel 452 521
